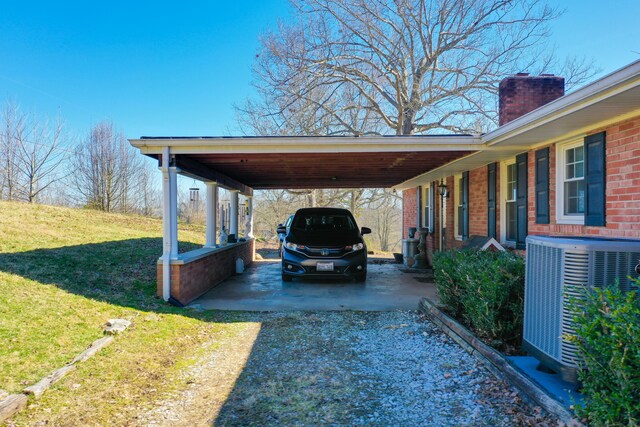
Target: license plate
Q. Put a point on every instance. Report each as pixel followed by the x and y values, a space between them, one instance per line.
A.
pixel 324 266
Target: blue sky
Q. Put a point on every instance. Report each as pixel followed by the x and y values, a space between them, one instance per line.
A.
pixel 177 68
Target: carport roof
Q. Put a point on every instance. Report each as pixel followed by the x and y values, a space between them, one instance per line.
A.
pixel 245 163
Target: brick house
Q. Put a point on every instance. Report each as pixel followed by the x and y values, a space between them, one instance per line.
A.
pixel 556 165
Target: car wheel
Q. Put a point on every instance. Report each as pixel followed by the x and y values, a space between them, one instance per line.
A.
pixel 286 278
pixel 361 277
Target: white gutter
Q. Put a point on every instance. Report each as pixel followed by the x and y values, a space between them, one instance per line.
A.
pixel 320 144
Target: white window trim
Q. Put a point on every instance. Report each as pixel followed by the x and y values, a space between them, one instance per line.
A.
pixel 561 218
pixel 503 203
pixel 456 202
pixel 427 215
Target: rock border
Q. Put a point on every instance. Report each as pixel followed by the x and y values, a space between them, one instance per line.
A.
pixel 14 403
pixel 496 362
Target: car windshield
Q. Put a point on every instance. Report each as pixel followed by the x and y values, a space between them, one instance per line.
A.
pixel 323 222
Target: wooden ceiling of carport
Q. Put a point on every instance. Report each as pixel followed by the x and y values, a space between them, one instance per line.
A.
pixel 319 170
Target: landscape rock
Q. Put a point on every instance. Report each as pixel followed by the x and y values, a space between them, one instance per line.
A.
pixel 116 326
pixel 3 394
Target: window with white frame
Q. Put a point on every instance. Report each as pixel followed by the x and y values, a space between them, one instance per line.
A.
pixel 510 204
pixel 457 211
pixel 570 193
pixel 427 202
pixel 508 197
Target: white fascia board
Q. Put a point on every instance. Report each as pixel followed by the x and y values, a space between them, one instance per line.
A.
pixel 416 143
pixel 466 163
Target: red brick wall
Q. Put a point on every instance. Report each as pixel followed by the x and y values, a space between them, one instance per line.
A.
pixel 478 205
pixel 622 187
pixel 522 93
pixel 450 240
pixel 191 280
pixel 409 210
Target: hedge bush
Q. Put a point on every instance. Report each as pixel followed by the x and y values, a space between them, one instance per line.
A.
pixel 484 290
pixel 608 341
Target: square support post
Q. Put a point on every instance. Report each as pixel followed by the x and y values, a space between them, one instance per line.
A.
pixel 212 214
pixel 233 214
pixel 169 219
pixel 249 225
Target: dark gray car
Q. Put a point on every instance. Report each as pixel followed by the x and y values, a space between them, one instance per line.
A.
pixel 324 242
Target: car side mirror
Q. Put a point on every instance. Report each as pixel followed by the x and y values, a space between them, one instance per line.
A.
pixel 365 230
pixel 281 229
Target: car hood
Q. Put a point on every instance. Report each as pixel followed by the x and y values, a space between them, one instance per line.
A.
pixel 323 239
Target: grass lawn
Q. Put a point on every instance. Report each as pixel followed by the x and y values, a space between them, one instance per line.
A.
pixel 63 273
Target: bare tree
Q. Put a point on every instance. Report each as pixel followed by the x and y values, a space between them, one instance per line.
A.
pixel 149 198
pixel 39 156
pixel 105 165
pixel 12 123
pixel 412 66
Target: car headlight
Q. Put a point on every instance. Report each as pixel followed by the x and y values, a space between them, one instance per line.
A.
pixel 293 246
pixel 357 247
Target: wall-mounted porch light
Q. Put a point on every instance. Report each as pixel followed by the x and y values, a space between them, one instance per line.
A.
pixel 442 189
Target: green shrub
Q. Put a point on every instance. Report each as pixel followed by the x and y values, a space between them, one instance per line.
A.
pixel 485 290
pixel 608 341
pixel 447 282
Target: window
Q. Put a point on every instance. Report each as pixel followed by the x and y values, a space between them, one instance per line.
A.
pixel 570 197
pixel 461 201
pixel 513 201
pixel 510 204
pixel 427 201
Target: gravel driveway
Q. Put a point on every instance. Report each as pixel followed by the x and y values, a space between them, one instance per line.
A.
pixel 348 368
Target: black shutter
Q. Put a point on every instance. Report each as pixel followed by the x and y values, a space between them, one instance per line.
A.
pixel 419 204
pixel 521 200
pixel 491 200
pixel 542 186
pixel 432 203
pixel 465 206
pixel 594 179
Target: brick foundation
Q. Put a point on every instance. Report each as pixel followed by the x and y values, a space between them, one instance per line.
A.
pixel 199 271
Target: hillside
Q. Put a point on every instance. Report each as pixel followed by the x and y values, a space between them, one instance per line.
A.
pixel 63 273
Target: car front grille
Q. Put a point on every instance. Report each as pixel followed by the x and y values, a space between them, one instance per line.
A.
pixel 317 252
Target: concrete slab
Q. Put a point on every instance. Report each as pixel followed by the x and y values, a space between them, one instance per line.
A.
pixel 388 287
pixel 563 391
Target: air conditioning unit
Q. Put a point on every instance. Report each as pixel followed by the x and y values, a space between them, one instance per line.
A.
pixel 558 269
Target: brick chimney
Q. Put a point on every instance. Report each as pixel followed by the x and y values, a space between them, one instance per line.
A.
pixel 522 93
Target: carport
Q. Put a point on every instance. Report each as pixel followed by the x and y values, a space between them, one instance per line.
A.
pixel 244 164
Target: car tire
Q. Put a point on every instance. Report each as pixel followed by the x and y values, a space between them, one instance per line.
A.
pixel 286 278
pixel 361 277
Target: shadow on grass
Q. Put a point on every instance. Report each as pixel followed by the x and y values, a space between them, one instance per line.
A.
pixel 121 272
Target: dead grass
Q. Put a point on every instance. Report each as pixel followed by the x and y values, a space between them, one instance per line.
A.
pixel 63 273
